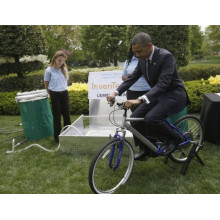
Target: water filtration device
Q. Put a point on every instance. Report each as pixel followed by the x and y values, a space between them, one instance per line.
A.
pixel 36 115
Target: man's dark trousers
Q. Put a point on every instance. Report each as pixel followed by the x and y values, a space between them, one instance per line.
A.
pixel 153 125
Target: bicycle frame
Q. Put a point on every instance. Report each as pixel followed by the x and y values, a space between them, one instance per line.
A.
pixel 138 135
pixel 113 163
pixel 158 150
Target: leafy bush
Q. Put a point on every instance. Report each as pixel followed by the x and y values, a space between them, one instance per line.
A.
pixel 35 80
pixel 196 90
pixel 8 105
pixel 43 58
pixel 78 98
pixel 81 75
pixel 79 103
pixel 19 40
pixel 78 76
pixel 22 84
pixel 78 92
pixel 214 80
pixel 23 68
pixel 190 73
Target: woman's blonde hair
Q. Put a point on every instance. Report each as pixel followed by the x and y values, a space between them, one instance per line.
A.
pixel 53 62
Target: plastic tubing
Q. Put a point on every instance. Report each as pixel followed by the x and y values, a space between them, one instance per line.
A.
pixel 37 145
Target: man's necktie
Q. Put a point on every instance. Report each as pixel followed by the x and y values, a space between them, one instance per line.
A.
pixel 147 65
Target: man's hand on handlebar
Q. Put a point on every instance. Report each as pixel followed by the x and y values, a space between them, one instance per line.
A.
pixel 133 102
pixel 112 96
pixel 128 103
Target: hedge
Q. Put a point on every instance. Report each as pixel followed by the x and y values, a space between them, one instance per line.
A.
pixel 8 106
pixel 190 73
pixel 79 103
pixel 196 90
pixel 22 84
pixel 35 80
pixel 81 75
pixel 20 67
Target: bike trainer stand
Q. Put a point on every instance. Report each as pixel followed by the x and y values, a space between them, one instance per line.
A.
pixel 193 153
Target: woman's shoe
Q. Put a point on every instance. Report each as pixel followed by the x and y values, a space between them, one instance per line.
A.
pixel 56 140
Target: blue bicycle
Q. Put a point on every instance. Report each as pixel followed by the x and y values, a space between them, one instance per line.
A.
pixel 113 163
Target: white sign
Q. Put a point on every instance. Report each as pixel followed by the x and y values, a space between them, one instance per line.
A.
pixel 102 84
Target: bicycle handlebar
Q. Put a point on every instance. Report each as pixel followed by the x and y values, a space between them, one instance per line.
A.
pixel 119 104
pixel 112 102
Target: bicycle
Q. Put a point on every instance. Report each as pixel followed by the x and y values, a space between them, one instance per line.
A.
pixel 113 163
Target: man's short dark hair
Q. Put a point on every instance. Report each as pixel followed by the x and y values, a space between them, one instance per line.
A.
pixel 142 39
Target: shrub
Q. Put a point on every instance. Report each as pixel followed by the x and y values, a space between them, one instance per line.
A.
pixel 23 68
pixel 196 90
pixel 81 75
pixel 79 102
pixel 35 80
pixel 8 105
pixel 19 40
pixel 23 84
pixel 78 98
pixel 190 73
pixel 78 92
pixel 78 76
pixel 43 58
pixel 214 80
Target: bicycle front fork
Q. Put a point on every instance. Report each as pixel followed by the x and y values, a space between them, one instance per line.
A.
pixel 120 146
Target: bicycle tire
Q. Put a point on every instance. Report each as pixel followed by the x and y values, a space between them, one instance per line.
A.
pixel 193 128
pixel 102 177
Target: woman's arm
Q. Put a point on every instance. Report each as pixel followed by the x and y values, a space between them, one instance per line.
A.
pixel 46 84
pixel 125 77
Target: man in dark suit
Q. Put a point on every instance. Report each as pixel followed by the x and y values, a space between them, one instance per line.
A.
pixel 167 96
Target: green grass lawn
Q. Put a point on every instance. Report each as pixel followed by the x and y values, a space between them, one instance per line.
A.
pixel 209 60
pixel 35 171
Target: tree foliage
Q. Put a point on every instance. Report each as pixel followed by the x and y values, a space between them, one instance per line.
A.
pixel 174 38
pixel 104 44
pixel 196 41
pixel 19 40
pixel 62 37
pixel 213 37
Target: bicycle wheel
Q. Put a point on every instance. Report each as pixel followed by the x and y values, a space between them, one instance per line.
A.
pixel 191 127
pixel 104 177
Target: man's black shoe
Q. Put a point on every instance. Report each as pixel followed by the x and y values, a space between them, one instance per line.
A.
pixel 142 154
pixel 172 145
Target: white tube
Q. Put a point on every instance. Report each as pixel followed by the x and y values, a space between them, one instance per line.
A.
pixel 37 145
